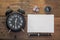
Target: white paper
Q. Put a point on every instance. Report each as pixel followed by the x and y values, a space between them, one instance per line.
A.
pixel 40 23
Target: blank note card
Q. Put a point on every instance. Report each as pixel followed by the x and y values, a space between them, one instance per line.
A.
pixel 40 23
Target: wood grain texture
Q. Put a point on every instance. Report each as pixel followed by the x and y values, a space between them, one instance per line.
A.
pixel 28 5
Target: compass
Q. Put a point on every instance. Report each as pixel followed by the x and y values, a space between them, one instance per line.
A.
pixel 48 9
pixel 15 21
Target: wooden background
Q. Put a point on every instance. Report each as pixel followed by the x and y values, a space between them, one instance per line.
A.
pixel 28 5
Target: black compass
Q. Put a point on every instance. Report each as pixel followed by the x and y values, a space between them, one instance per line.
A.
pixel 15 21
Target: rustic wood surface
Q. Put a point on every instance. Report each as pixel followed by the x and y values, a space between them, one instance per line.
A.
pixel 28 5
